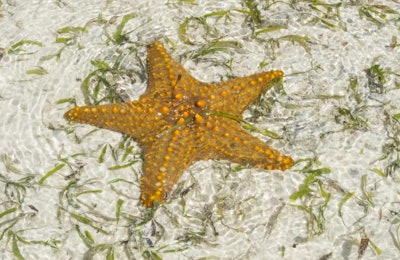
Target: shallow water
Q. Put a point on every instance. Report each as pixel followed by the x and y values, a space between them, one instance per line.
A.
pixel 344 137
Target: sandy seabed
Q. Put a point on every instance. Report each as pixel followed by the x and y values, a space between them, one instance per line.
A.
pixel 70 191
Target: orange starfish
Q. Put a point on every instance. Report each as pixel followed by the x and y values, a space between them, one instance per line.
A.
pixel 180 120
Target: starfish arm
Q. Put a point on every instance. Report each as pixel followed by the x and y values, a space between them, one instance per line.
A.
pixel 129 118
pixel 242 92
pixel 164 163
pixel 231 142
pixel 165 74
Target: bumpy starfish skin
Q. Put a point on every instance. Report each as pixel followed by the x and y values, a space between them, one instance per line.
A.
pixel 180 120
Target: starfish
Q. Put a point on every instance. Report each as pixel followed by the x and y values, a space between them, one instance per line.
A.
pixel 180 120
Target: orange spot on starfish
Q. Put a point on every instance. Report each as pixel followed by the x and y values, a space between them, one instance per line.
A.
pixel 179 120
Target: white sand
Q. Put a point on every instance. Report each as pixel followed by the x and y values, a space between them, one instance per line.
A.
pixel 227 214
